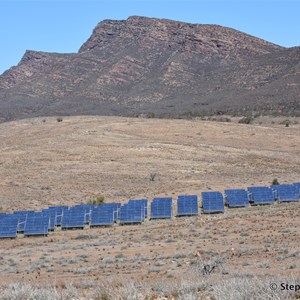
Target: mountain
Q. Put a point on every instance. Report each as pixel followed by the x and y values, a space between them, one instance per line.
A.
pixel 157 66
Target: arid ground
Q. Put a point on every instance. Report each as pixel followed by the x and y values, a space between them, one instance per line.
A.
pixel 45 162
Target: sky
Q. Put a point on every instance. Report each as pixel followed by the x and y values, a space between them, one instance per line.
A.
pixel 64 25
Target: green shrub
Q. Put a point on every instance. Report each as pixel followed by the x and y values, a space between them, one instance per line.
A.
pixel 275 182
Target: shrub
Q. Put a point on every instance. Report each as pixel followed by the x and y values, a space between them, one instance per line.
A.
pixel 246 120
pixel 99 199
pixel 286 123
pixel 152 176
pixel 59 119
pixel 275 181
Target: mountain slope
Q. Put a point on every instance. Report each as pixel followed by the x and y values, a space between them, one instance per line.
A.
pixel 146 65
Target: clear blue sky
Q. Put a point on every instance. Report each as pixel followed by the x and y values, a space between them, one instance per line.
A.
pixel 63 25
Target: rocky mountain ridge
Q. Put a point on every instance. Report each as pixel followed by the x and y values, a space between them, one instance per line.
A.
pixel 158 67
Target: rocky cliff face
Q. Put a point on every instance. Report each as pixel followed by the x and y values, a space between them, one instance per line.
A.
pixel 145 65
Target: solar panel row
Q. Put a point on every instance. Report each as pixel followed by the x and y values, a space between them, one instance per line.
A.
pixel 136 211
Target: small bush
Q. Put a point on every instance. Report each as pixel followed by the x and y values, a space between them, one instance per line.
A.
pixel 286 123
pixel 152 176
pixel 246 120
pixel 275 181
pixel 98 200
pixel 59 119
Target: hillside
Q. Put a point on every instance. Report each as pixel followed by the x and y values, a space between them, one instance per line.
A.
pixel 44 162
pixel 155 66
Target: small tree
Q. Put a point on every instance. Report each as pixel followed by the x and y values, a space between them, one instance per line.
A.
pixel 275 182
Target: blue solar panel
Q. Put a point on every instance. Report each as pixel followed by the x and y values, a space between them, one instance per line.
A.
pixel 212 202
pixel 236 198
pixel 161 208
pixel 261 195
pixel 135 211
pixel 55 213
pixel 105 214
pixel 36 224
pixel 22 216
pixel 75 217
pixel 286 192
pixel 187 205
pixel 140 203
pixel 8 226
pixel 297 185
pixel 2 215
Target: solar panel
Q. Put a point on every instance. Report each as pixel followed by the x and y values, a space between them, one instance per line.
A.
pixel 161 208
pixel 261 195
pixel 212 202
pixel 105 214
pixel 56 214
pixel 140 202
pixel 286 192
pixel 8 226
pixel 36 224
pixel 75 217
pixel 236 198
pixel 2 215
pixel 297 185
pixel 135 211
pixel 22 216
pixel 187 205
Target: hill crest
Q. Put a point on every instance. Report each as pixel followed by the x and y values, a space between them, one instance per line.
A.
pixel 158 66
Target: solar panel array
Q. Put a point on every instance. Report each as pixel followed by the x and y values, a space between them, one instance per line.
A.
pixel 37 224
pixel 105 214
pixel 286 192
pixel 134 211
pixel 161 208
pixel 236 198
pixel 55 214
pixel 212 202
pixel 187 205
pixel 8 226
pixel 261 195
pixel 74 217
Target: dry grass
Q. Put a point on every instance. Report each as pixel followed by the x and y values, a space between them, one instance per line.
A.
pixel 50 163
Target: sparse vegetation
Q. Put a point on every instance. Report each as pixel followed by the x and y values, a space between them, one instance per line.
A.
pixel 275 181
pixel 286 123
pixel 97 200
pixel 246 120
pixel 59 119
pixel 152 176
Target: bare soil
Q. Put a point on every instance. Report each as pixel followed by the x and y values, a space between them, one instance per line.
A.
pixel 44 162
